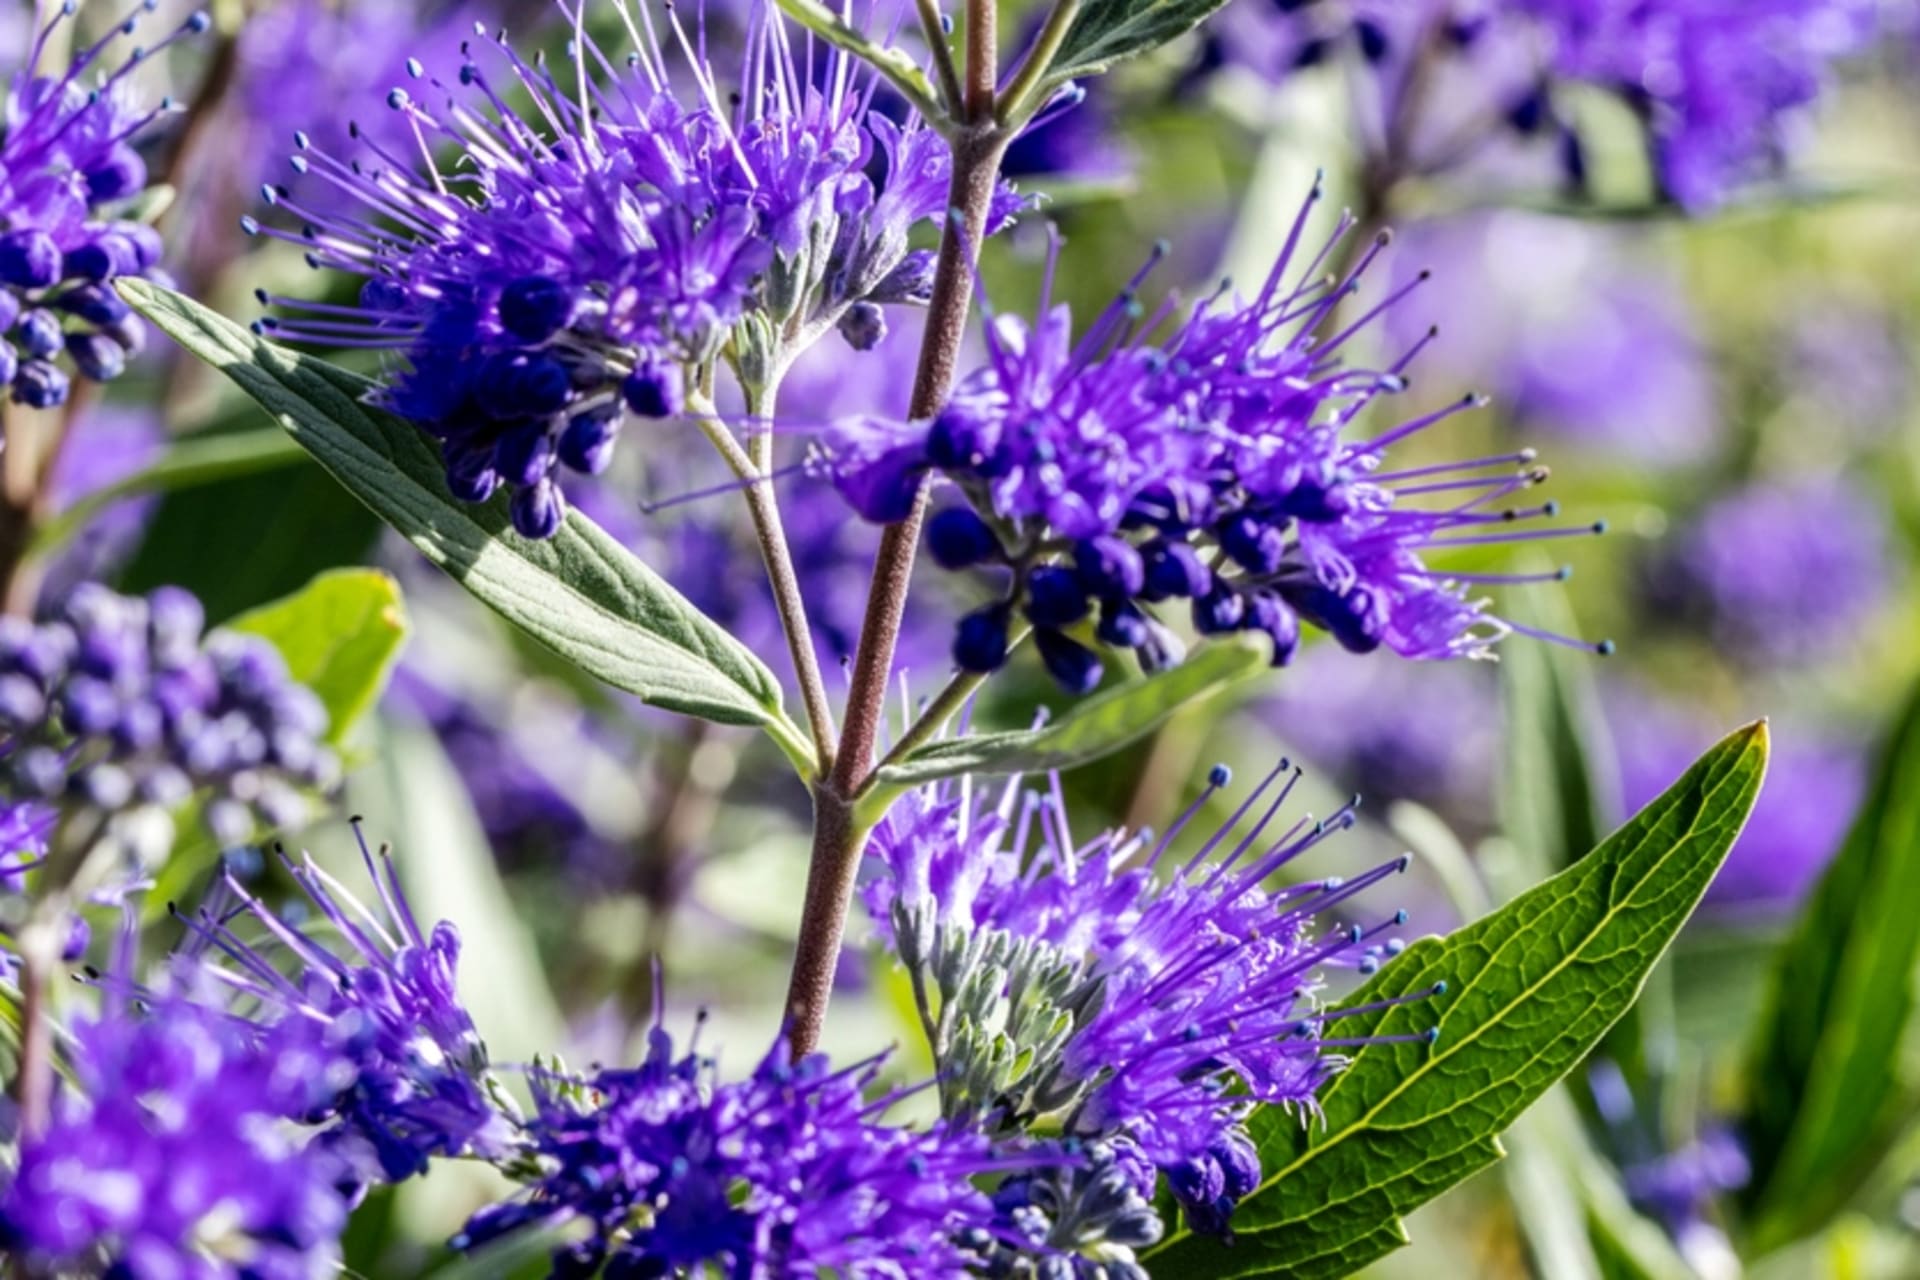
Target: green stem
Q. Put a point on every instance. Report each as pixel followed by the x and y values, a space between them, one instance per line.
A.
pixel 788 601
pixel 1014 108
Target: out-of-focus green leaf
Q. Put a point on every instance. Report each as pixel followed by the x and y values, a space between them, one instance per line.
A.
pixel 186 464
pixel 340 635
pixel 1558 794
pixel 1109 31
pixel 579 592
pixel 412 799
pixel 1529 990
pixel 1832 1078
pixel 1093 728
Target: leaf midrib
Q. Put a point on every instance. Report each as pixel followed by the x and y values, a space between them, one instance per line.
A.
pixel 1365 1121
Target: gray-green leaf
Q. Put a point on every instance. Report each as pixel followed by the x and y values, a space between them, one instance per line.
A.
pixel 1093 728
pixel 1530 989
pixel 579 592
pixel 1110 31
pixel 1831 1080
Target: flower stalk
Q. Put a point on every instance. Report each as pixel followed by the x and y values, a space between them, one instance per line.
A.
pixel 840 829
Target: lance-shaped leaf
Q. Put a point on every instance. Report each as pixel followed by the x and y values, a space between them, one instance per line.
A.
pixel 1108 31
pixel 579 592
pixel 1832 1079
pixel 1528 992
pixel 1093 728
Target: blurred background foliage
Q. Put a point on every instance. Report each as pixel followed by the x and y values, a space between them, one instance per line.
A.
pixel 1735 392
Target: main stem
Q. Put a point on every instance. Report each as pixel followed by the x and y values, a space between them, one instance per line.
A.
pixel 839 833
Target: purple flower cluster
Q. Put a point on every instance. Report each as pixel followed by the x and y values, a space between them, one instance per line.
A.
pixel 1718 85
pixel 381 997
pixel 1126 997
pixel 118 704
pixel 1115 474
pixel 787 1173
pixel 175 1152
pixel 601 253
pixel 68 172
pixel 1825 572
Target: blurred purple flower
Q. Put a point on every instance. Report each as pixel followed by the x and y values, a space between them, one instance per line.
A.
pixel 1853 364
pixel 1782 572
pixel 321 67
pixel 1720 85
pixel 1576 340
pixel 1429 734
pixel 110 442
pixel 1814 784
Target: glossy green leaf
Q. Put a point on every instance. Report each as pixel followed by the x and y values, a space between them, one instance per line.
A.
pixel 340 635
pixel 1110 31
pixel 1832 1078
pixel 579 592
pixel 1092 728
pixel 1530 990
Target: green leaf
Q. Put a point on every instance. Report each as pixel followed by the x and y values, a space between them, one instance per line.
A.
pixel 579 592
pixel 1558 794
pixel 898 66
pixel 340 635
pixel 1832 1078
pixel 1093 728
pixel 1530 989
pixel 1109 31
pixel 415 800
pixel 186 464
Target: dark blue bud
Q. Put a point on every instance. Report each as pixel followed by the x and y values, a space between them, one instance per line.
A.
pixel 1109 566
pixel 39 385
pixel 1122 625
pixel 120 174
pixel 1239 1164
pixel 382 294
pixel 1374 45
pixel 1318 502
pixel 95 303
pixel 961 439
pixel 534 308
pixel 1529 111
pixel 524 385
pixel 97 356
pixel 41 336
pixel 1268 613
pixel 9 309
pixel 960 539
pixel 524 455
pixel 1219 611
pixel 470 473
pixel 1174 570
pixel 29 259
pixel 538 509
pixel 652 392
pixel 1356 619
pixel 864 326
pixel 1256 545
pixel 1055 597
pixel 980 641
pixel 1573 161
pixel 586 445
pixel 147 244
pixel 1072 665
pixel 9 360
